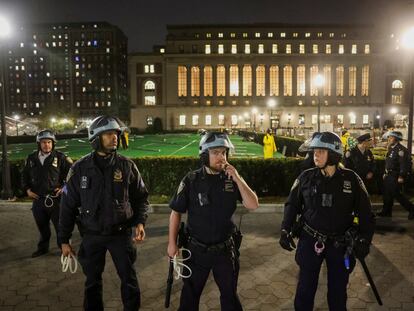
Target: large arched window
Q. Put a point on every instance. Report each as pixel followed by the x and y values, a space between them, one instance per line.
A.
pixel 149 86
pixel 397 85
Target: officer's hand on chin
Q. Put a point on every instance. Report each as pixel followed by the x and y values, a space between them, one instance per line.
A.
pixel 31 194
pixel 400 180
pixel 172 250
pixel 361 248
pixel 231 172
pixel 139 233
pixel 286 241
pixel 67 249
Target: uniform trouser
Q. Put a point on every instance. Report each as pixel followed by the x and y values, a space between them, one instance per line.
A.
pixel 42 216
pixel 225 267
pixel 392 190
pixel 310 264
pixel 92 253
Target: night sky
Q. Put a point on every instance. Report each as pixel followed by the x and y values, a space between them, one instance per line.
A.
pixel 144 21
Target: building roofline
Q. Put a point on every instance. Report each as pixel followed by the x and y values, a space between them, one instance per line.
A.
pixel 267 25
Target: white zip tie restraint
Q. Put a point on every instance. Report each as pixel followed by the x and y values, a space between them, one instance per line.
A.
pixel 69 263
pixel 179 265
pixel 49 200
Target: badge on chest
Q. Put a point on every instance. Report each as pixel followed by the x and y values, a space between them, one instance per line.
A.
pixel 347 186
pixel 228 185
pixel 84 184
pixel 117 175
pixel 55 162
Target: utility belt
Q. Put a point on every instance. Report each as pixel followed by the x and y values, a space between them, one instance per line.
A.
pixel 212 248
pixel 337 239
pixel 116 230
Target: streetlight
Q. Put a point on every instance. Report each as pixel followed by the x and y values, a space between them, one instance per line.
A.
pixel 407 42
pixel 5 32
pixel 319 82
pixel 16 118
pixel 254 112
pixel 271 104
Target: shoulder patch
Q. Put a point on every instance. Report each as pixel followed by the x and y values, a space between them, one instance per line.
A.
pixel 180 187
pixel 69 160
pixel 401 153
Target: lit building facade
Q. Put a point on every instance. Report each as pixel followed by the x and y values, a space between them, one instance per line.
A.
pixel 265 75
pixel 78 69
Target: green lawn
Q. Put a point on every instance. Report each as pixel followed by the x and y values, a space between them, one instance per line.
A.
pixel 145 145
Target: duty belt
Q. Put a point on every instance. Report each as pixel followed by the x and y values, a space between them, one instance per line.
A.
pixel 336 238
pixel 227 244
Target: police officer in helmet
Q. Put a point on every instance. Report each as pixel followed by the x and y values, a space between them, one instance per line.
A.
pixel 397 168
pixel 43 177
pixel 324 203
pixel 112 200
pixel 209 195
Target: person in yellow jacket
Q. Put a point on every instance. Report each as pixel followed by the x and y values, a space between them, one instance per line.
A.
pixel 269 146
pixel 344 139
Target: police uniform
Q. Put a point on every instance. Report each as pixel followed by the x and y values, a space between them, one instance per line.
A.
pixel 210 201
pixel 327 206
pixel 112 198
pixel 360 162
pixel 43 179
pixel 397 164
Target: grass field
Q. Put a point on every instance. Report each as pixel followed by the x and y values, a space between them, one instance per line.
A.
pixel 146 145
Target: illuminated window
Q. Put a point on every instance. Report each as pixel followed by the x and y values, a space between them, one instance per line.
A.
pixel 247 80
pixel 152 70
pixel 313 74
pixel 221 80
pixel 257 34
pixel 283 34
pixel 340 81
pixel 149 101
pixel 220 35
pixel 365 81
pixel 341 49
pixel 354 49
pixel 396 99
pixel 195 119
pixel 340 119
pixel 315 49
pixel 365 119
pixel 182 119
pixel 234 49
pixel 221 119
pixel 327 80
pixel 352 118
pixel 182 81
pixel 208 119
pixel 270 34
pixel 288 48
pixel 397 85
pixel 149 86
pixel 328 49
pixel 195 81
pixel 207 49
pixel 274 48
pixel 234 119
pixel 274 80
pixel 301 49
pixel 260 80
pixel 314 118
pixel 208 81
pixel 234 80
pixel 260 49
pixel 221 49
pixel 367 49
pixel 233 35
pixel 247 48
pixel 307 35
pixel 352 81
pixel 301 86
pixel 208 35
pixel 245 34
pixel 287 80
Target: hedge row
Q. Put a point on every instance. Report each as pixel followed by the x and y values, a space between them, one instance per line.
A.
pixel 271 177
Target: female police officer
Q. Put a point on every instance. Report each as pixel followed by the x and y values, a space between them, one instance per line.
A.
pixel 209 195
pixel 329 199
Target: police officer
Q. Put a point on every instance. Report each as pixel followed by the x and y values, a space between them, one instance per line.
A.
pixel 43 177
pixel 330 200
pixel 112 201
pixel 360 158
pixel 304 148
pixel 209 196
pixel 397 168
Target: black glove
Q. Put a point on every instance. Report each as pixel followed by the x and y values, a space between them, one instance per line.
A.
pixel 286 241
pixel 361 248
